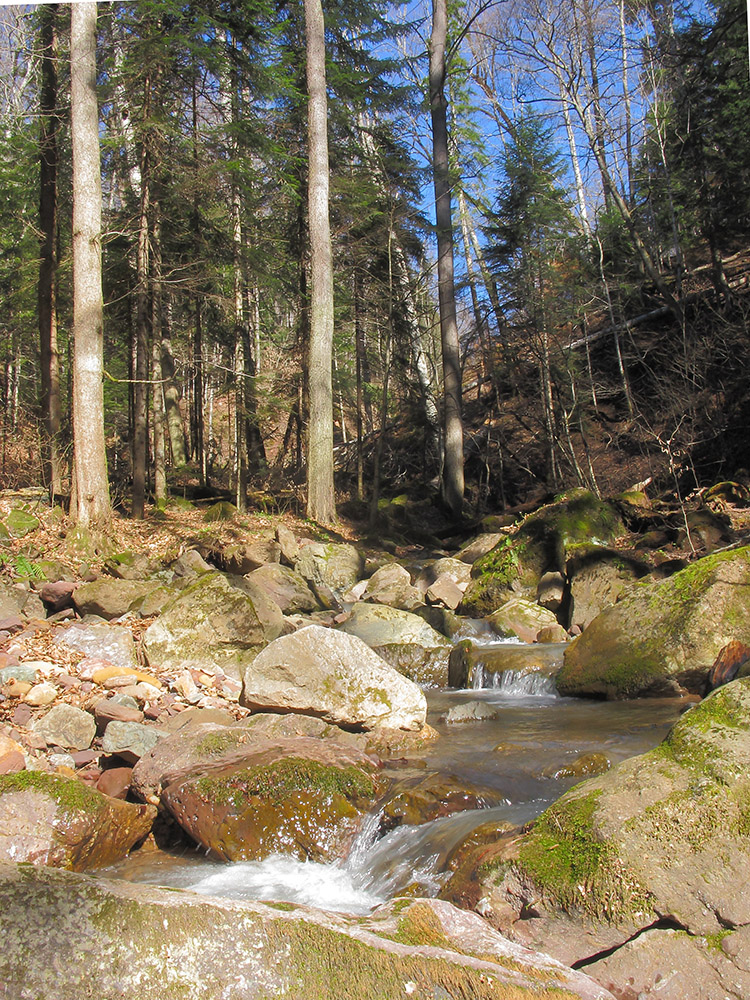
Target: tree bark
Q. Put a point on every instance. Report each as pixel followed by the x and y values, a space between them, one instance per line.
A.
pixel 453 470
pixel 92 508
pixel 47 288
pixel 320 489
pixel 140 389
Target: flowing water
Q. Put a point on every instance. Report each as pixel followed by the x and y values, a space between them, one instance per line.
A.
pixel 512 761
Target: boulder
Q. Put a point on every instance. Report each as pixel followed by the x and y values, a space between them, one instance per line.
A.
pixel 286 587
pixel 479 545
pixel 288 545
pixel 129 565
pixel 521 618
pixel 129 740
pixel 469 711
pixel 659 841
pixel 455 569
pixel 663 636
pixel 330 569
pixel 66 726
pixel 550 591
pixel 542 543
pixel 191 563
pixel 113 643
pixel 47 819
pixel 182 946
pixel 731 662
pixel 404 640
pixel 110 598
pixel 318 671
pixel 242 559
pixel 599 577
pixel 300 796
pixel 215 622
pixel 391 585
pixel 444 591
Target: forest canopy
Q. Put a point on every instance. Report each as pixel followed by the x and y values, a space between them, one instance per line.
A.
pixel 594 184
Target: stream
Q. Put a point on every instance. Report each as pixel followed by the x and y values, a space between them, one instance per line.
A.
pixel 513 759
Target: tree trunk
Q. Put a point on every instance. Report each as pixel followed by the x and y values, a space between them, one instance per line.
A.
pixel 47 290
pixel 92 509
pixel 453 471
pixel 140 391
pixel 157 391
pixel 175 426
pixel 320 489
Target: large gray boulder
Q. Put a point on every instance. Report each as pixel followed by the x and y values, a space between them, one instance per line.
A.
pixel 664 635
pixel 182 946
pixel 660 841
pixel 111 598
pixel 318 671
pixel 599 577
pixel 404 640
pixel 391 585
pixel 215 622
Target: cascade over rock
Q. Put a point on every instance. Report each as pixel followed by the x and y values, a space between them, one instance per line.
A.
pixel 319 671
pixel 663 634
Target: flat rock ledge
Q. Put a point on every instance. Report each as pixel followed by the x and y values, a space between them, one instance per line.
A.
pixel 69 936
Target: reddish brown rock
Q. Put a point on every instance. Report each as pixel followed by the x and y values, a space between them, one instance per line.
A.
pixel 57 596
pixel 115 781
pixel 106 711
pixel 727 664
pixel 47 819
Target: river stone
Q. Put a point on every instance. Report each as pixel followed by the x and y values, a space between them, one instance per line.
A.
pixel 58 595
pixel 444 591
pixel 108 710
pixel 456 570
pixel 298 796
pixel 129 740
pixel 318 671
pixel 467 659
pixel 663 635
pixel 243 558
pixel 550 591
pixel 288 545
pixel 110 598
pixel 479 546
pixel 659 840
pixel 66 726
pixel 391 585
pixel 183 946
pixel 404 640
pixel 521 618
pixel 129 565
pixel 20 672
pixel 470 711
pixel 12 600
pixel 20 522
pixel 215 622
pixel 40 694
pixel 543 543
pixel 330 569
pixel 191 563
pixel 284 586
pixel 48 819
pixel 413 802
pixel 599 577
pixel 113 643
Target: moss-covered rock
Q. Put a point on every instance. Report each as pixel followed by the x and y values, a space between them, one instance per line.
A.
pixel 663 633
pixel 182 946
pixel 48 819
pixel 661 836
pixel 542 544
pixel 214 622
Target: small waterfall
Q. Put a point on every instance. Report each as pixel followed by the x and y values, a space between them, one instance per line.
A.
pixel 514 683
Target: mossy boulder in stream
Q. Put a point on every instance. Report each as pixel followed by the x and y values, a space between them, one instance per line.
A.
pixel 663 634
pixel 216 621
pixel 304 797
pixel 69 937
pixel 48 819
pixel 543 543
pixel 662 839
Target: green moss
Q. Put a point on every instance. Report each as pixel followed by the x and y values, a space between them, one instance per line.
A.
pixel 686 742
pixel 326 965
pixel 574 867
pixel 69 793
pixel 217 743
pixel 420 925
pixel 274 782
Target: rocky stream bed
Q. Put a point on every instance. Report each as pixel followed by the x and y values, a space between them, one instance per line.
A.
pixel 176 735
